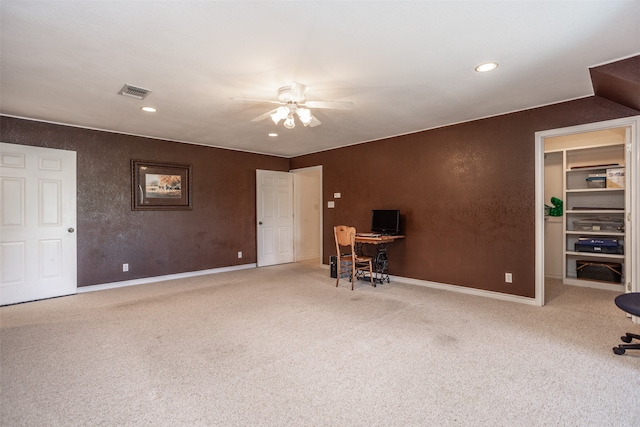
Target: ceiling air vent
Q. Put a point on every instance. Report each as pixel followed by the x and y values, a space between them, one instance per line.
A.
pixel 134 91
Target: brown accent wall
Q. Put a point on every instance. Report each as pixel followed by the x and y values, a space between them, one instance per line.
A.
pixel 618 81
pixel 466 194
pixel 154 243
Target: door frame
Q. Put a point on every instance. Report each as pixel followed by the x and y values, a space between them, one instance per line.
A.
pixel 296 214
pixel 633 124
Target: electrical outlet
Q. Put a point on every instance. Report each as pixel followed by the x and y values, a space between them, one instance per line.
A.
pixel 508 277
pixel 125 267
pixel 239 254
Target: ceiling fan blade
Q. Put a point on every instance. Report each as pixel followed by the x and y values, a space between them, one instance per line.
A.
pixel 298 91
pixel 264 116
pixel 314 122
pixel 333 105
pixel 258 100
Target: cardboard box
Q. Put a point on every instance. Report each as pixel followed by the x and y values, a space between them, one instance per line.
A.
pixel 615 178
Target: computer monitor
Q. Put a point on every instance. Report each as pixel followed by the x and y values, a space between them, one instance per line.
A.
pixel 385 221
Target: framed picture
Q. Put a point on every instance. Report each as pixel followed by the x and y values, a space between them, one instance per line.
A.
pixel 160 186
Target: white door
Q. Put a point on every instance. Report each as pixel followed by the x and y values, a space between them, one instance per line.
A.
pixel 274 206
pixel 37 225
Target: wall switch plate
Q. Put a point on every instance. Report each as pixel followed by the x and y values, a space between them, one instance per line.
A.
pixel 125 267
pixel 508 277
pixel 239 254
pixel 331 204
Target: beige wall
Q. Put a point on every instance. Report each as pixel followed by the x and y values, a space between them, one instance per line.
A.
pixel 553 256
pixel 307 186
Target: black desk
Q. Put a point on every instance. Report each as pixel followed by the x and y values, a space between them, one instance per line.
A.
pixel 380 260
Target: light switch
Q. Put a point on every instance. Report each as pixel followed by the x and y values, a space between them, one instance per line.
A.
pixel 331 204
pixel 336 195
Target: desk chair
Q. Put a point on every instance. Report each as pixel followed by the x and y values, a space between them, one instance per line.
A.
pixel 631 304
pixel 348 260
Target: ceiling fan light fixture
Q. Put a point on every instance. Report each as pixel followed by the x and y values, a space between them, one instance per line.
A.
pixel 275 117
pixel 283 112
pixel 292 103
pixel 304 114
pixel 289 123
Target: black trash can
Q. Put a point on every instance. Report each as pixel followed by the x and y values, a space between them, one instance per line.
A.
pixel 333 266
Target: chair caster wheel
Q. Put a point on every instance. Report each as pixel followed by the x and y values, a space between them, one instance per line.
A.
pixel 626 338
pixel 618 350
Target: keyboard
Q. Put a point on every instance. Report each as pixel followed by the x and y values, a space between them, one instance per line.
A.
pixel 368 234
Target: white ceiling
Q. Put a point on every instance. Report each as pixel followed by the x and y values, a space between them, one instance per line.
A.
pixel 407 66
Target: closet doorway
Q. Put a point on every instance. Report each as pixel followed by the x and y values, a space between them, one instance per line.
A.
pixel 571 165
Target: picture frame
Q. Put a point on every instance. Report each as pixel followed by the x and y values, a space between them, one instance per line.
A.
pixel 160 186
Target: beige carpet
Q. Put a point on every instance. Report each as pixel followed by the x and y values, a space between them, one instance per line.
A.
pixel 282 346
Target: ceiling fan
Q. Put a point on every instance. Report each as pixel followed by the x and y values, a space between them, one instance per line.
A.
pixel 292 103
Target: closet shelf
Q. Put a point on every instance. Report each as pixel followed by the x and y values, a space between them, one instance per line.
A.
pixel 594 255
pixel 595 233
pixel 595 190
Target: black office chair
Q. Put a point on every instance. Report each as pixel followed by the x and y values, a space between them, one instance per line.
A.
pixel 631 304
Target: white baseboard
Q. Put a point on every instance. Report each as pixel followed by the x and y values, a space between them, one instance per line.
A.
pixel 409 281
pixel 462 289
pixel 465 290
pixel 134 282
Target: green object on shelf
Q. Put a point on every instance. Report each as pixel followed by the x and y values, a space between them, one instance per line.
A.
pixel 556 210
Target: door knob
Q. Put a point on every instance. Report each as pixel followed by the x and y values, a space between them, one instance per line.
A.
pixel 70 230
pixel 260 223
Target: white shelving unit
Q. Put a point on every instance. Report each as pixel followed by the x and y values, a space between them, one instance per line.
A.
pixel 581 202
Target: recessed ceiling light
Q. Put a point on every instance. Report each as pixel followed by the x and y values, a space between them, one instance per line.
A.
pixel 488 66
pixel 273 135
pixel 149 109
